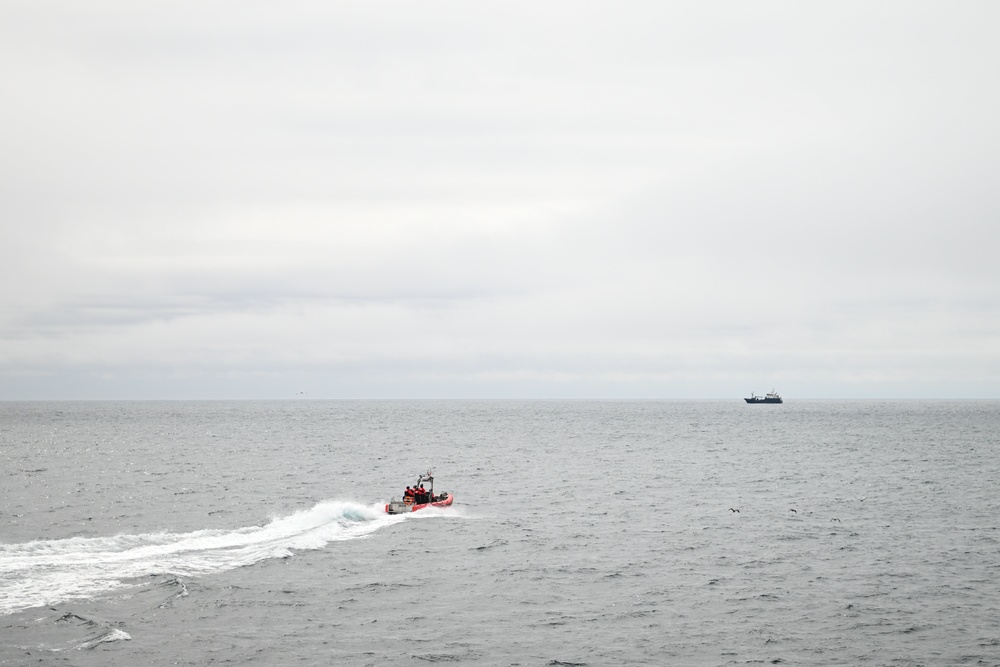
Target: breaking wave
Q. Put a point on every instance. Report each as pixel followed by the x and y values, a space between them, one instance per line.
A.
pixel 49 571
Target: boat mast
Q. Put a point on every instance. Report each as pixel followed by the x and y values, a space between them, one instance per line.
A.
pixel 429 477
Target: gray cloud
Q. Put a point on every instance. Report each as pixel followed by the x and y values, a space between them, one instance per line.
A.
pixel 217 199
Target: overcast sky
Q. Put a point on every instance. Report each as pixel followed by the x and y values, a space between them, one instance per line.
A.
pixel 499 199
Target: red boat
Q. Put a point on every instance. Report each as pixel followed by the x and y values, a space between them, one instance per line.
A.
pixel 414 503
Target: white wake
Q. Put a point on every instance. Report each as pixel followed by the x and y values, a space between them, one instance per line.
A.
pixel 49 571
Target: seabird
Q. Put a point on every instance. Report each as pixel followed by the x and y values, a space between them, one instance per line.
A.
pixel 836 519
pixel 734 510
pixel 793 511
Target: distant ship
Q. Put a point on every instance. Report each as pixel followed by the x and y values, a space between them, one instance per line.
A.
pixel 769 398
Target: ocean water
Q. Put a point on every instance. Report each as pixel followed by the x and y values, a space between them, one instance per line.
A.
pixel 583 533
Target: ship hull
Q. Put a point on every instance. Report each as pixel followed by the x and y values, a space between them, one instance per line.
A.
pixel 402 508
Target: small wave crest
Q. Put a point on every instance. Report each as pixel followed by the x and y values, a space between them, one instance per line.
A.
pixel 113 635
pixel 50 571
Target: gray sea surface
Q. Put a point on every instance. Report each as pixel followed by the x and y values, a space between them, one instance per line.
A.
pixel 582 533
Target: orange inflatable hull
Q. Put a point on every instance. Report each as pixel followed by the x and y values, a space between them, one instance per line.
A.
pixel 440 503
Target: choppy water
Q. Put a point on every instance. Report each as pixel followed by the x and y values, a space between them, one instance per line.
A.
pixel 588 533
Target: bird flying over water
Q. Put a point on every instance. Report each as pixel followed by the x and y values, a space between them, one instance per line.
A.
pixel 731 509
pixel 792 511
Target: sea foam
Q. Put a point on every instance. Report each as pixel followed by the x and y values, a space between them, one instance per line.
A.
pixel 49 571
